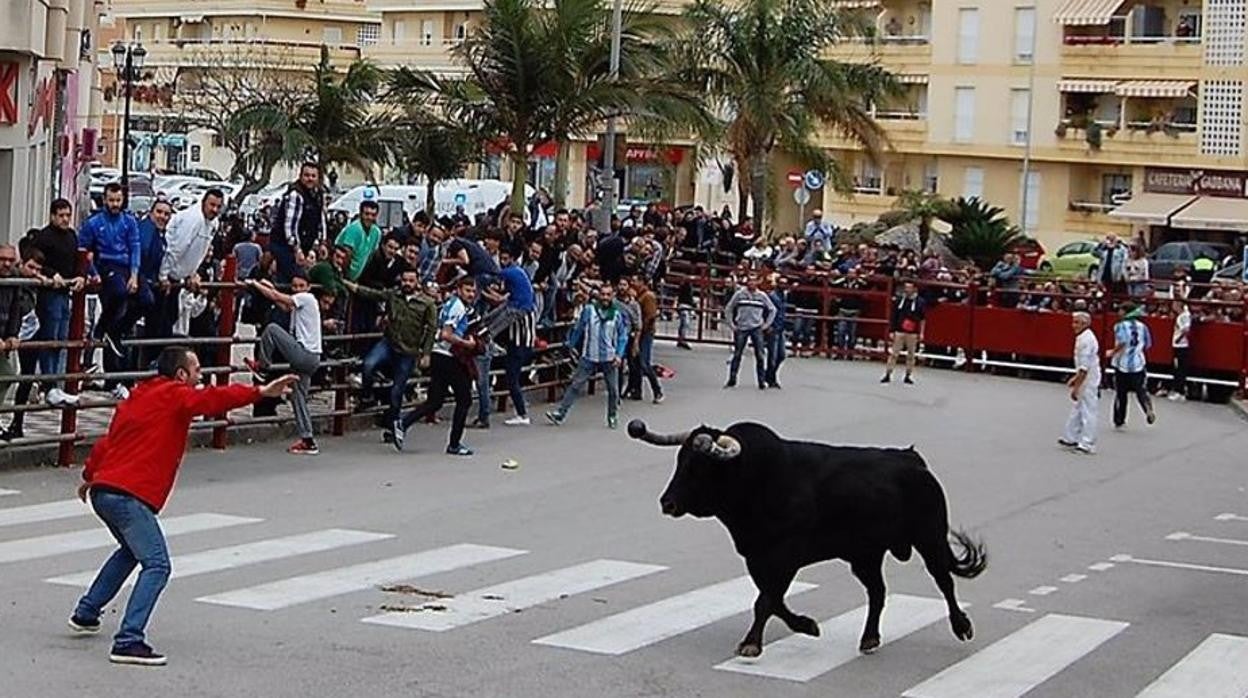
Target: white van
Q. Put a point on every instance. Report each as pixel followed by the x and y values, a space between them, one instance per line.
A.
pixel 477 196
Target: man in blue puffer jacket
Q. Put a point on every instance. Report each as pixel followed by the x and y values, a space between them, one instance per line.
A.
pixel 111 235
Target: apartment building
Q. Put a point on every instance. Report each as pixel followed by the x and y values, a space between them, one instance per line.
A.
pixel 186 40
pixel 1128 115
pixel 49 107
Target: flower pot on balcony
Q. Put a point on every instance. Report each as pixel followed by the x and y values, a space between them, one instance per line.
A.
pixel 1094 135
pixel 1062 129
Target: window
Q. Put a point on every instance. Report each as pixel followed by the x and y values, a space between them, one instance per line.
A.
pixel 869 180
pixel 400 31
pixel 138 34
pixel 1024 34
pixel 963 114
pixel 426 33
pixel 968 36
pixel 1019 116
pixel 931 178
pixel 158 31
pixel 1115 189
pixel 331 36
pixel 973 183
pixel 1031 202
pixel 461 31
pixel 368 35
pixel 1074 248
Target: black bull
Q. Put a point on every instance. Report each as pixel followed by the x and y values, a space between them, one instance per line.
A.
pixel 788 504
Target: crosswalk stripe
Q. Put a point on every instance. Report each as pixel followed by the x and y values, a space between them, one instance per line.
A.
pixel 1217 668
pixel 646 625
pixel 1019 662
pixel 802 658
pixel 516 595
pixel 49 511
pixel 77 541
pixel 8 493
pixel 247 554
pixel 344 580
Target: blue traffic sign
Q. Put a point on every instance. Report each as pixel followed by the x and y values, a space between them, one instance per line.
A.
pixel 813 179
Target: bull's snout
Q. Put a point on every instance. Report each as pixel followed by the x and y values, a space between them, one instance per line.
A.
pixel 670 508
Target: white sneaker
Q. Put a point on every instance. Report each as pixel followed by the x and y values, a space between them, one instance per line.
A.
pixel 120 393
pixel 59 398
pixel 1176 397
pixel 517 421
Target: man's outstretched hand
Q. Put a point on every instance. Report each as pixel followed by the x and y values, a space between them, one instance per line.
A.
pixel 279 387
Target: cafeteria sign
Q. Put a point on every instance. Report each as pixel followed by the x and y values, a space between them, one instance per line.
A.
pixel 1196 182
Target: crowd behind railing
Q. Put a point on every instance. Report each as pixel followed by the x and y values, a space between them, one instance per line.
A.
pixel 90 308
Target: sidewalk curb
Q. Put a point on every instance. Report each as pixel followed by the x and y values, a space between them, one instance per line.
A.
pixel 1239 407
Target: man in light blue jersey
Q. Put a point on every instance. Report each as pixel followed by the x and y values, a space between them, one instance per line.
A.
pixel 1131 341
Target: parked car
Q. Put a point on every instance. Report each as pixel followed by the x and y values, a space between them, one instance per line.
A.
pixel 1164 260
pixel 1074 260
pixel 1030 254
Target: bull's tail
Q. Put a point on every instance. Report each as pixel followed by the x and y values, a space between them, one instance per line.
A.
pixel 974 558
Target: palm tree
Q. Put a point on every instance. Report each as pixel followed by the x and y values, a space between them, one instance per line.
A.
pixel 923 208
pixel 760 65
pixel 981 233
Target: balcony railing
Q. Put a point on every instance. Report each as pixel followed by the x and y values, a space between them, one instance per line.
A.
pixel 1091 207
pixel 1118 34
pixel 900 115
pixel 869 185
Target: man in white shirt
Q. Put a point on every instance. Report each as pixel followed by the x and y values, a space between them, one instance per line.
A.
pixel 189 237
pixel 1080 433
pixel 300 347
pixel 1181 343
pixel 818 229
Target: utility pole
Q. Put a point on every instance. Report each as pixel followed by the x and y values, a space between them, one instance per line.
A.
pixel 607 178
pixel 1031 100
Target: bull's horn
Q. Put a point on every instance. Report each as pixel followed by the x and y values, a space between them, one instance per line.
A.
pixel 723 448
pixel 637 429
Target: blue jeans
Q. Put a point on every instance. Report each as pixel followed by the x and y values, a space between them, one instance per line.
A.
pixel 53 313
pixel 517 358
pixel 775 354
pixel 484 361
pixel 685 313
pixel 645 357
pixel 845 333
pixel 803 330
pixel 384 353
pixel 585 369
pixel 141 543
pixel 550 303
pixel 755 338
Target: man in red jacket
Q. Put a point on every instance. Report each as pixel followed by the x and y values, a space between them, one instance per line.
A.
pixel 129 475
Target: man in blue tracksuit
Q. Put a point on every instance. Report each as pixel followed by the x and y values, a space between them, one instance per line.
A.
pixel 601 337
pixel 111 235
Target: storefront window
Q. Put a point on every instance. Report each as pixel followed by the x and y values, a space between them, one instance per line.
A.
pixel 650 181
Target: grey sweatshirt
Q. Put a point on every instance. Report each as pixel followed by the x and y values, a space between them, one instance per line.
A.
pixel 749 310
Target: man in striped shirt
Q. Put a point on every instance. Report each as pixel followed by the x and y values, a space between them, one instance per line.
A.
pixel 601 338
pixel 1131 340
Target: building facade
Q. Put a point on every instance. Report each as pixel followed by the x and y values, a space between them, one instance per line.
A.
pixel 1127 115
pixel 49 107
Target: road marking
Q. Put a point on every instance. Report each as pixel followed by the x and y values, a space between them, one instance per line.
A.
pixel 1181 565
pixel 1230 517
pixel 77 541
pixel 1042 591
pixel 8 493
pixel 1217 668
pixel 345 580
pixel 1074 578
pixel 646 625
pixel 516 595
pixel 1101 566
pixel 1013 605
pixel 802 658
pixel 49 511
pixel 1019 662
pixel 1183 535
pixel 246 554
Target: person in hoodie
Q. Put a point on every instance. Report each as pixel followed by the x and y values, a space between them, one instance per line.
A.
pixel 128 478
pixel 111 236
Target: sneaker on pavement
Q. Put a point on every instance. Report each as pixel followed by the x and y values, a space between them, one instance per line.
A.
pixel 1085 450
pixel 59 398
pixel 518 421
pixel 730 384
pixel 303 448
pixel 397 435
pixel 1176 397
pixel 139 654
pixel 886 379
pixel 387 437
pixel 1066 444
pixel 658 399
pixel 613 422
pixel 82 626
pixel 479 424
pixel 120 393
pixel 1151 417
pixel 555 417
pixel 908 380
pixel 460 450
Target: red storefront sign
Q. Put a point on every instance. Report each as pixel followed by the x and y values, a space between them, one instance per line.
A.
pixel 8 93
pixel 1224 183
pixel 45 106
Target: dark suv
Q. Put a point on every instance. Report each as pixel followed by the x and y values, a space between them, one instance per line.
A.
pixel 1180 255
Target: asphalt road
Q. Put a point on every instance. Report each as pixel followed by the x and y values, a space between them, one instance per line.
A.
pixel 563 578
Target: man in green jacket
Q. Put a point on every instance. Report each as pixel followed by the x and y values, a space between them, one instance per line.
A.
pixel 412 326
pixel 361 236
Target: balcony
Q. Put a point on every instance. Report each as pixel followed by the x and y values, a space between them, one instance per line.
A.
pixel 906 131
pixel 1140 42
pixel 900 54
pixel 860 207
pixel 1091 219
pixel 318 9
pixel 1139 143
pixel 434 56
pixel 239 52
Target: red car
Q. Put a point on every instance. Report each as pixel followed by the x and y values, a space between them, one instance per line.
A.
pixel 1030 254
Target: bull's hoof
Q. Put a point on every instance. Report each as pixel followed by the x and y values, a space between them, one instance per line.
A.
pixel 805 626
pixel 749 649
pixel 962 628
pixel 869 645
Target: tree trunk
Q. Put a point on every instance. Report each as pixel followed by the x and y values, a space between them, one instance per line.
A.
pixel 519 174
pixel 431 200
pixel 560 193
pixel 758 189
pixel 743 187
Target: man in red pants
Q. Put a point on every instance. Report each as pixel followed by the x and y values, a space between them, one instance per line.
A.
pixel 128 477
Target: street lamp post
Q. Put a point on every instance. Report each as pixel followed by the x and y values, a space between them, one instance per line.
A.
pixel 608 156
pixel 128 60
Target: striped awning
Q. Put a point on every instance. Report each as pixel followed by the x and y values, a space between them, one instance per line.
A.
pixel 1154 88
pixel 1086 13
pixel 1088 86
pixel 912 79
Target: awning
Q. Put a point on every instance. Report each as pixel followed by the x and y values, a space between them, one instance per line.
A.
pixel 1152 208
pixel 1089 86
pixel 1214 213
pixel 1154 88
pixel 1086 13
pixel 912 79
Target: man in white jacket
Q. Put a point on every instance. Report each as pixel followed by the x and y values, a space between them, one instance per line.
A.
pixel 189 237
